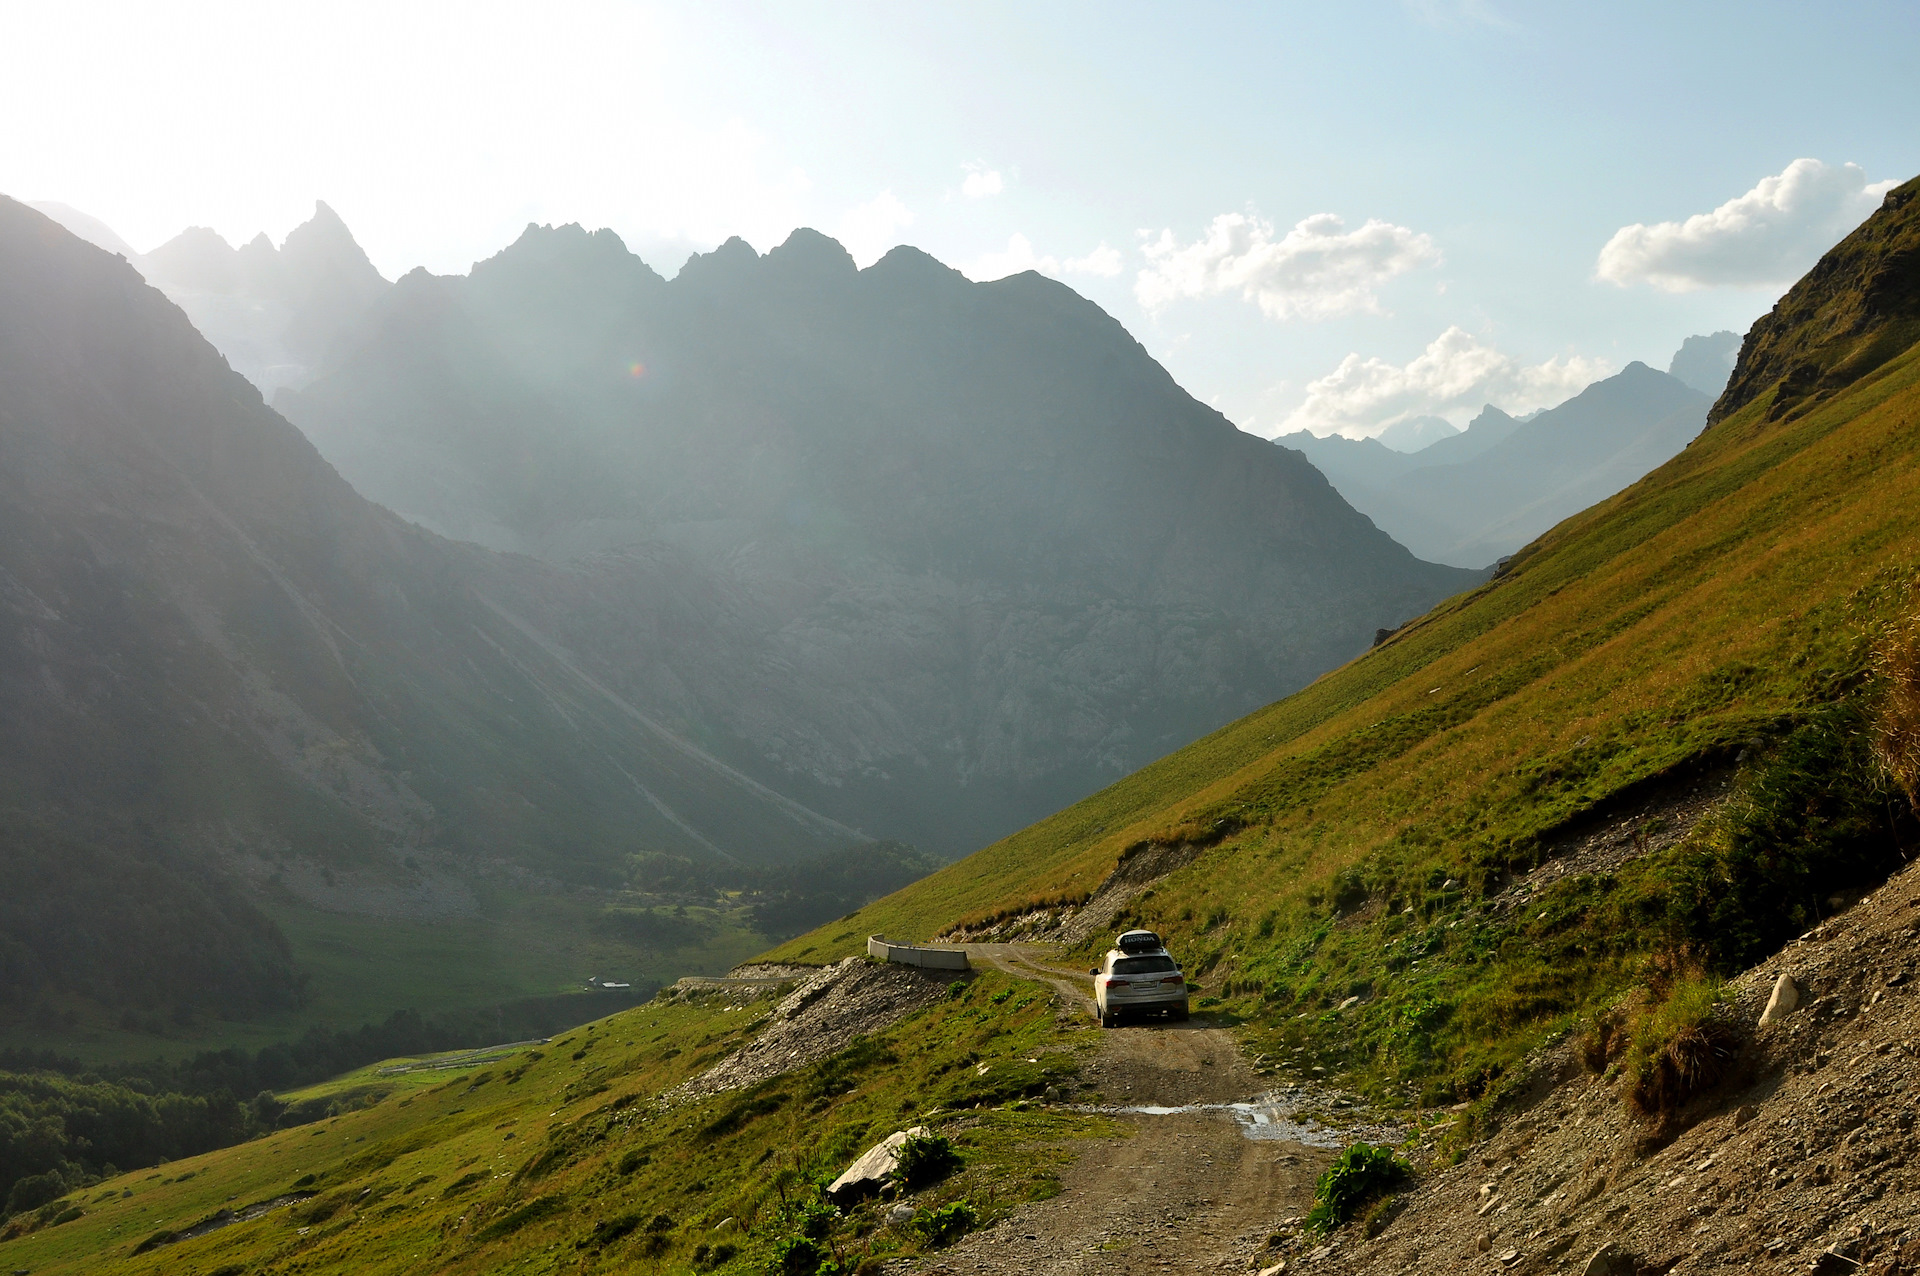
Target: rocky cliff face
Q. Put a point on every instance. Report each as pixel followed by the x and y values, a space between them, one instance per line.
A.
pixel 1852 312
pixel 971 552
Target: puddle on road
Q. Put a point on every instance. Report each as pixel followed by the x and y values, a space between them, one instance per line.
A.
pixel 1273 1117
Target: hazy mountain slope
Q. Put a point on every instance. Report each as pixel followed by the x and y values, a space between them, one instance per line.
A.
pixel 220 664
pixel 276 313
pixel 85 225
pixel 1482 494
pixel 976 551
pixel 1651 733
pixel 1706 362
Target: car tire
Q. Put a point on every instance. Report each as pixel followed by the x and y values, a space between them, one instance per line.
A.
pixel 1108 1019
pixel 1180 1013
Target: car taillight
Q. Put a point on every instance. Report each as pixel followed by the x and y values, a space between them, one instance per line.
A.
pixel 1174 979
pixel 1119 983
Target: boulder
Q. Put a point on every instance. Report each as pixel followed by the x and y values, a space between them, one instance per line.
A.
pixel 1609 1260
pixel 868 1175
pixel 1785 1000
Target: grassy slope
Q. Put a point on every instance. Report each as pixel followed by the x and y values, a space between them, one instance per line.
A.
pixel 1721 597
pixel 509 1165
pixel 1715 557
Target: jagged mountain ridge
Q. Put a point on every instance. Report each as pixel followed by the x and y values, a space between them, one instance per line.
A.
pixel 219 664
pixel 1484 493
pixel 979 552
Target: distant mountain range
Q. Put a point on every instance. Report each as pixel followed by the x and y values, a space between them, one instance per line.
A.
pixel 1470 498
pixel 802 555
pixel 977 551
pixel 275 313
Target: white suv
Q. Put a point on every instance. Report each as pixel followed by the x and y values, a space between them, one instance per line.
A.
pixel 1138 976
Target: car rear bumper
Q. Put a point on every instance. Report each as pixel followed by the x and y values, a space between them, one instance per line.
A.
pixel 1171 1001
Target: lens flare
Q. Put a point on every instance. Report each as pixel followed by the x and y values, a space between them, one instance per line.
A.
pixel 636 370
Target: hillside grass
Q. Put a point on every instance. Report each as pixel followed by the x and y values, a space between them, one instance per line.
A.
pixel 1718 614
pixel 562 1156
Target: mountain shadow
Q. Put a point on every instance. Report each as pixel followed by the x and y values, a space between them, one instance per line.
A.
pixel 974 552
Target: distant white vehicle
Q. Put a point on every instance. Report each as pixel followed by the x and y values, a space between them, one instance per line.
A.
pixel 1138 976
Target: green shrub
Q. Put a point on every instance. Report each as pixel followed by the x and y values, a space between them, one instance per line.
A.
pixel 35 1190
pixel 816 1221
pixel 944 1226
pixel 1358 1176
pixel 925 1159
pixel 798 1256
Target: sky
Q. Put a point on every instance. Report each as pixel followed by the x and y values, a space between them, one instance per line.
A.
pixel 1321 216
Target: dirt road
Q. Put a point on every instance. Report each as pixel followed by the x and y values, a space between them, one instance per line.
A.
pixel 1187 1191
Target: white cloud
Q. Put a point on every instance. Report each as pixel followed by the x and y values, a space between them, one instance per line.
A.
pixel 1456 373
pixel 1103 261
pixel 1317 270
pixel 981 181
pixel 870 229
pixel 1019 255
pixel 1766 237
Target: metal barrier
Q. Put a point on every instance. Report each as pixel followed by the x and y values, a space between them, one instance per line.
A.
pixel 914 955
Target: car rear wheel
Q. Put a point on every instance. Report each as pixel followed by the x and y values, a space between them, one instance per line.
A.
pixel 1108 1019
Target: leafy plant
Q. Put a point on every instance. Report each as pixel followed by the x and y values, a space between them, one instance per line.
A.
pixel 1358 1176
pixel 923 1160
pixel 798 1256
pixel 946 1225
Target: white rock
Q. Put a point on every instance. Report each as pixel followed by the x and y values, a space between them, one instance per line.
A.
pixel 1785 1000
pixel 869 1172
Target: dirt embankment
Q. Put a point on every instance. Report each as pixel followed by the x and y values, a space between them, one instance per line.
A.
pixel 1138 869
pixel 1805 1161
pixel 827 1009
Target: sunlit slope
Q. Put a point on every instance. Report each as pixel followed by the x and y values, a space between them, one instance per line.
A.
pixel 1705 606
pixel 555 1156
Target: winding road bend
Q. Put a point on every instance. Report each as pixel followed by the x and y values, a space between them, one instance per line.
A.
pixel 1187 1191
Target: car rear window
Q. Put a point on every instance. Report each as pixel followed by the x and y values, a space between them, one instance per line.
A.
pixel 1143 965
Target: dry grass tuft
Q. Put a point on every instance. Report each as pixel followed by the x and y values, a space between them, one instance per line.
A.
pixel 1897 735
pixel 1682 1046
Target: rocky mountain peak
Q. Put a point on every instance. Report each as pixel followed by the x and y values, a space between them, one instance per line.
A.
pixel 1856 309
pixel 812 258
